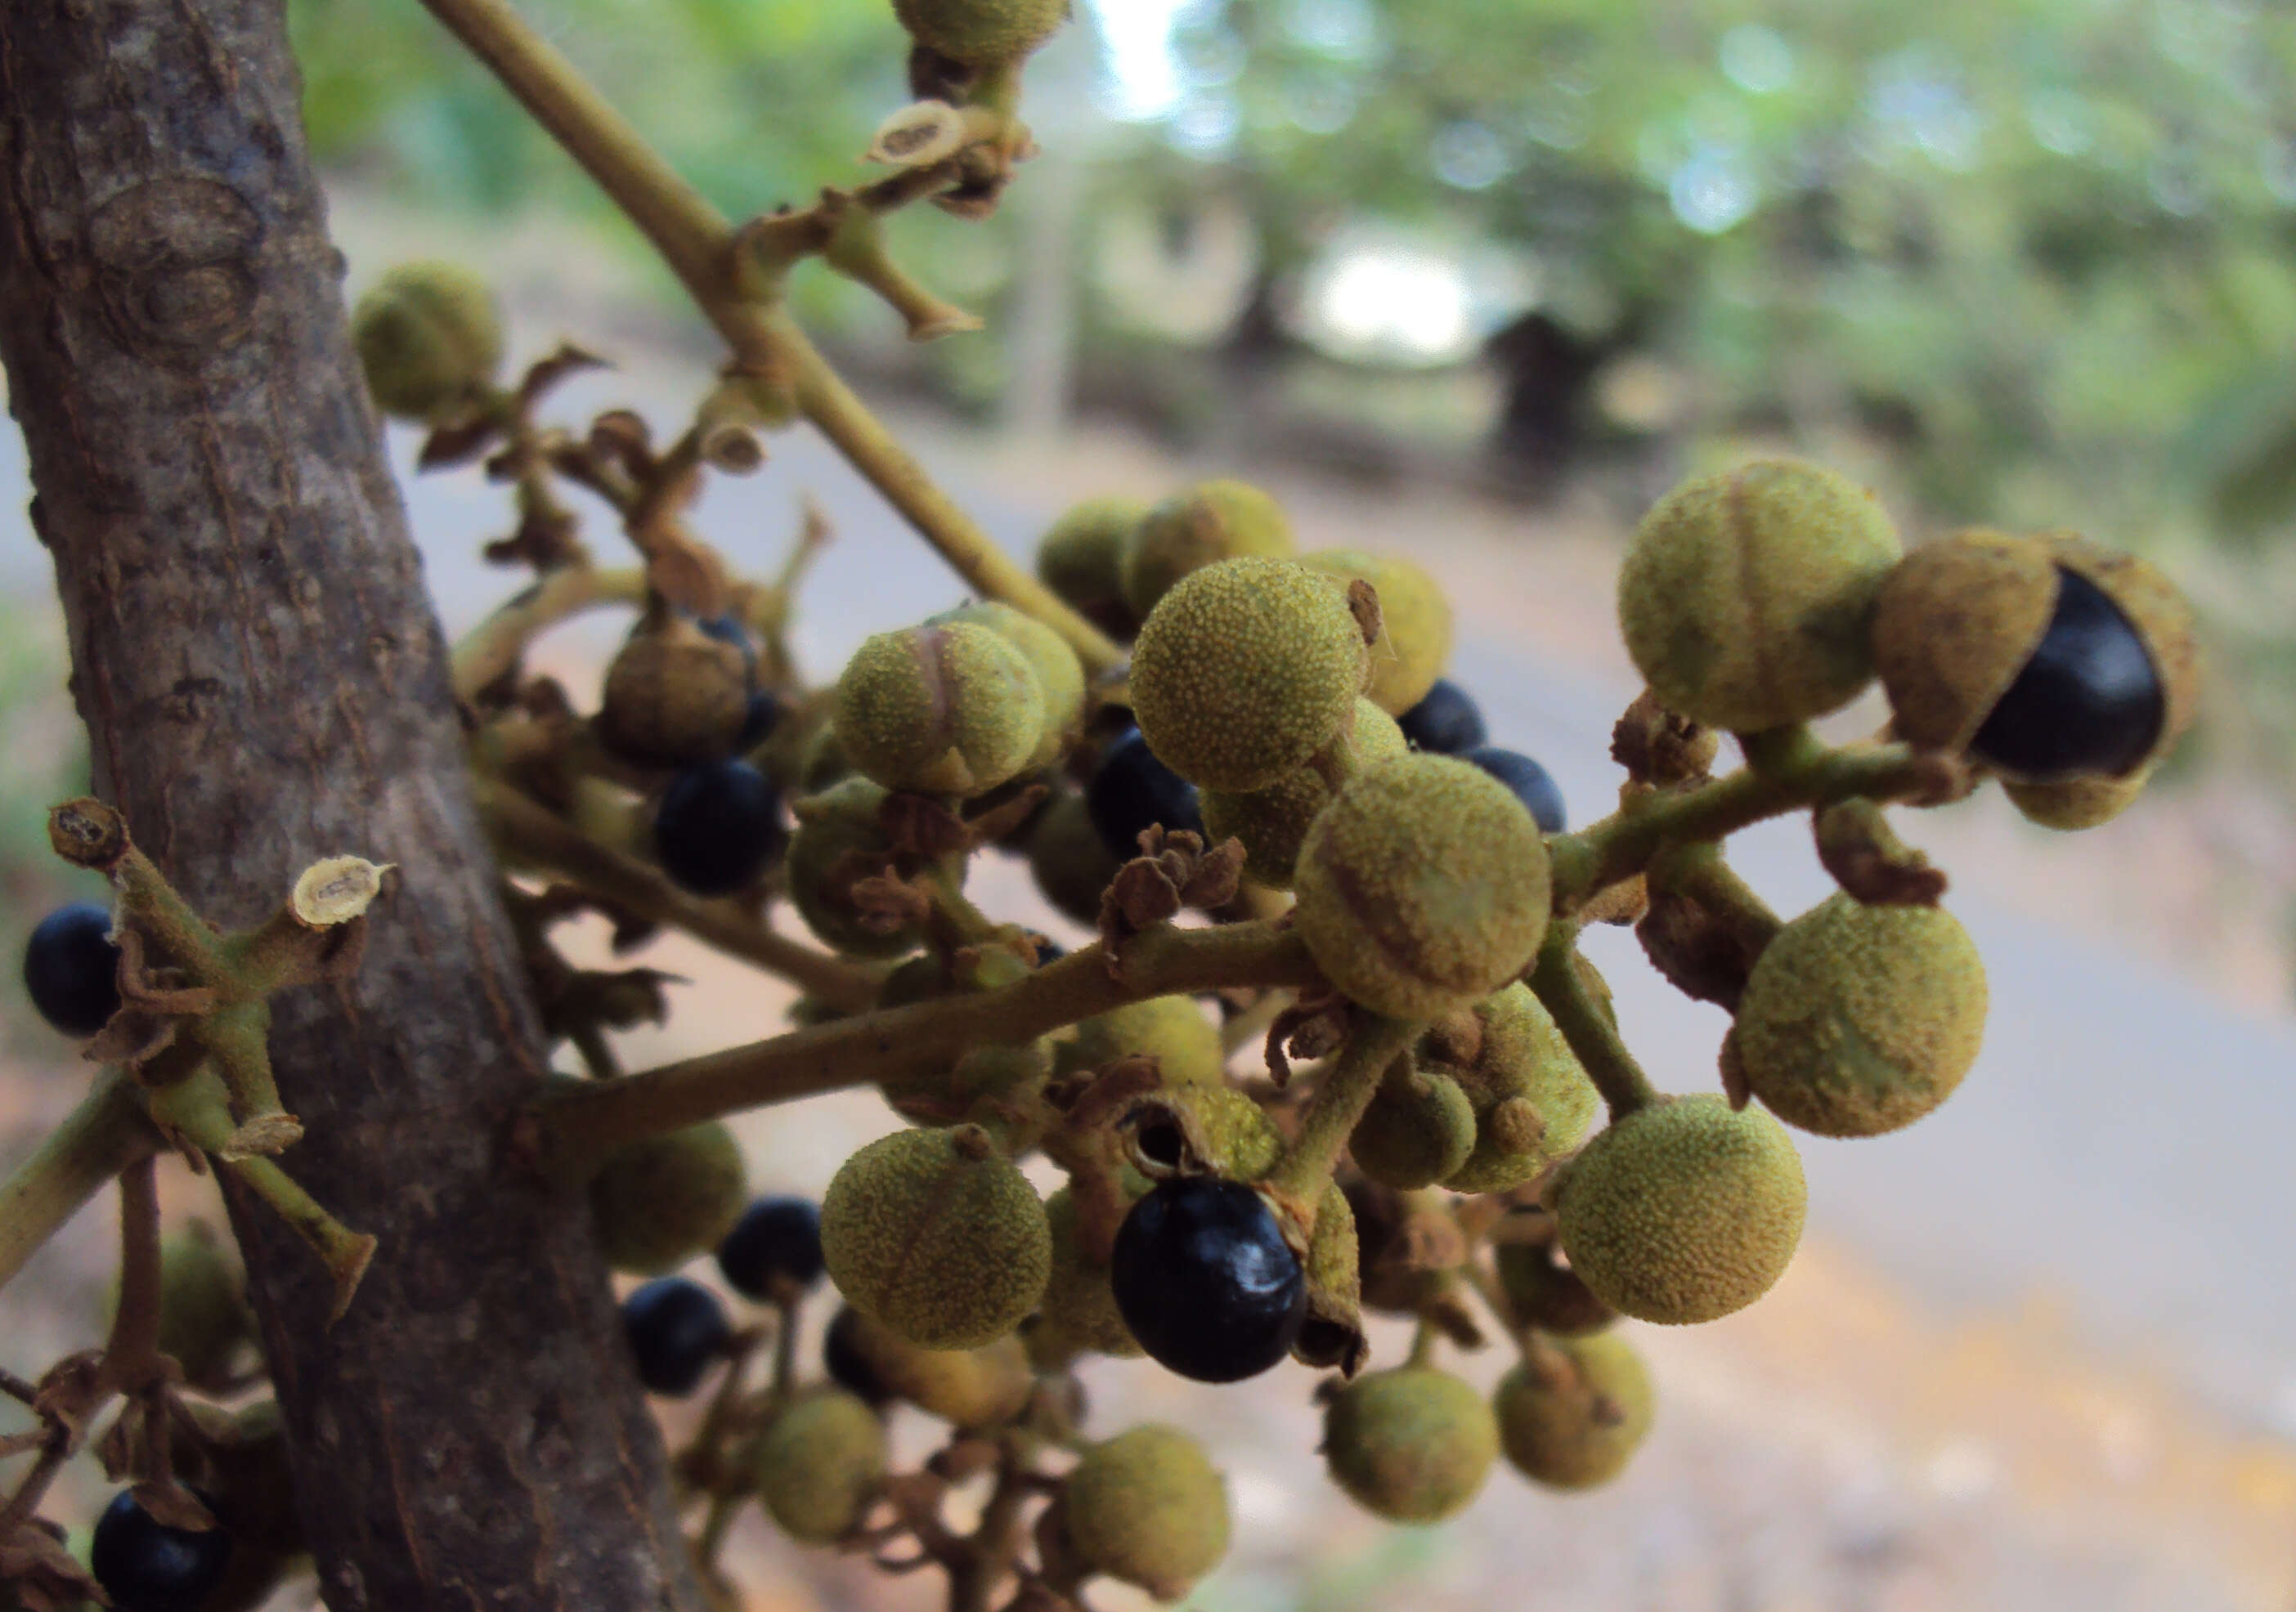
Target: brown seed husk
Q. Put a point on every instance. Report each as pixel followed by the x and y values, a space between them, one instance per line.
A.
pixel 1954 624
pixel 2075 803
pixel 674 695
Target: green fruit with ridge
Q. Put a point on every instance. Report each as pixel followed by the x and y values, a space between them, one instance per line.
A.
pixel 1272 821
pixel 1418 1129
pixel 1213 521
pixel 840 839
pixel 1415 640
pixel 1173 1030
pixel 429 338
pixel 949 710
pixel 1060 676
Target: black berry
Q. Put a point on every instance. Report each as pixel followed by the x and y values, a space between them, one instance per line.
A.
pixel 2089 702
pixel 71 968
pixel 145 1566
pixel 847 1365
pixel 1530 782
pixel 1205 1281
pixel 717 827
pixel 1133 792
pixel 1446 722
pixel 676 1328
pixel 775 1238
pixel 764 716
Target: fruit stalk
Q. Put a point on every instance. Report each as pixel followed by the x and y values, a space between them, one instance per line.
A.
pixel 105 1134
pixel 1556 982
pixel 1299 1176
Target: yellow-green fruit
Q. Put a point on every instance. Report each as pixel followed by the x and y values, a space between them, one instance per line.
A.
pixel 1212 1128
pixel 1149 1508
pixel 1423 888
pixel 2079 803
pixel 935 1234
pixel 819 1465
pixel 1411 1444
pixel 1746 597
pixel 1060 676
pixel 1078 1307
pixel 1859 1019
pixel 659 1202
pixel 1070 860
pixel 965 1388
pixel 1531 1097
pixel 1082 558
pixel 1419 1129
pixel 674 695
pixel 981 33
pixel 1334 1334
pixel 203 1315
pixel 839 842
pixel 1171 1030
pixel 940 710
pixel 1576 1428
pixel 1683 1211
pixel 1244 671
pixel 1208 523
pixel 1415 640
pixel 429 335
pixel 1272 822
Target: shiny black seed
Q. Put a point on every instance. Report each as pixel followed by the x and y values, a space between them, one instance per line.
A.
pixel 1133 792
pixel 676 1328
pixel 717 827
pixel 1048 950
pixel 145 1566
pixel 758 723
pixel 1447 722
pixel 2088 705
pixel 848 1366
pixel 775 1238
pixel 1530 781
pixel 1203 1277
pixel 71 968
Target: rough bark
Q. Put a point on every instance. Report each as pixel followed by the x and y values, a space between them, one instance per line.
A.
pixel 265 683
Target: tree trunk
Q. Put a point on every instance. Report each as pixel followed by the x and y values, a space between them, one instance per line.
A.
pixel 265 683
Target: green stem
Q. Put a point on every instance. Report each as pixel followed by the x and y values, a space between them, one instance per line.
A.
pixel 106 1133
pixel 1337 1106
pixel 1556 983
pixel 581 1125
pixel 1698 871
pixel 132 1350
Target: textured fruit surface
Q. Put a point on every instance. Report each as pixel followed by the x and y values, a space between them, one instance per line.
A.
pixel 1683 1211
pixel 674 693
pixel 1272 821
pixel 938 1236
pixel 776 1240
pixel 1415 640
pixel 1132 791
pixel 1081 559
pixel 1581 1430
pixel 71 968
pixel 1149 1508
pixel 952 709
pixel 1859 1019
pixel 1203 526
pixel 1746 597
pixel 966 1387
pixel 1079 1305
pixel 1545 1293
pixel 1205 1281
pixel 839 840
pixel 981 33
pixel 1531 783
pixel 1953 624
pixel 820 1463
pixel 1522 1060
pixel 428 335
pixel 1411 1444
pixel 1448 721
pixel 1418 1129
pixel 717 826
pixel 659 1202
pixel 1069 860
pixel 145 1566
pixel 1060 676
pixel 1244 671
pixel 2087 701
pixel 676 1331
pixel 2075 803
pixel 1173 1030
pixel 1423 888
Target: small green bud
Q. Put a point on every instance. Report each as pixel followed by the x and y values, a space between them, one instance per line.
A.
pixel 1080 1308
pixel 820 1463
pixel 1533 1100
pixel 1683 1211
pixel 1577 1422
pixel 981 1387
pixel 839 842
pixel 1411 1444
pixel 937 1235
pixel 1414 639
pixel 1271 822
pixel 1745 598
pixel 1146 1507
pixel 1418 1129
pixel 1082 559
pixel 1859 1019
pixel 1173 1030
pixel 674 695
pixel 1208 523
pixel 981 33
pixel 1069 860
pixel 429 336
pixel 1244 671
pixel 1060 676
pixel 1423 888
pixel 660 1201
pixel 942 710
